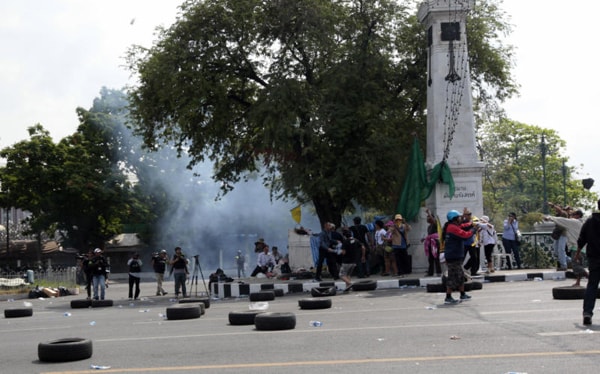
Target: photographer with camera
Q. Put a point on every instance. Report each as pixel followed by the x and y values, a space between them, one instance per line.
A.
pixel 99 271
pixel 135 268
pixel 180 271
pixel 86 270
pixel 159 264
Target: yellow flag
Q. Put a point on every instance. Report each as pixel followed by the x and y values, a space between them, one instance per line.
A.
pixel 297 214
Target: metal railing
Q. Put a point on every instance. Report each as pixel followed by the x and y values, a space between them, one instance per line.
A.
pixel 66 276
pixel 536 250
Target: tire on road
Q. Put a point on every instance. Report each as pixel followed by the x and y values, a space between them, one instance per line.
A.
pixel 316 303
pixel 196 300
pixel 244 317
pixel 365 285
pixel 262 296
pixel 473 286
pixel 81 303
pixel 183 311
pixel 102 303
pixel 323 291
pixel 275 321
pixel 441 287
pixel 67 349
pixel 568 292
pixel 18 312
pixel 278 292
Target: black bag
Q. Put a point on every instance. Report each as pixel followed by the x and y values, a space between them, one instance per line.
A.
pixel 557 232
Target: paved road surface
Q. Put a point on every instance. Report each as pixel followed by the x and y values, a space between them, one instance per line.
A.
pixel 506 327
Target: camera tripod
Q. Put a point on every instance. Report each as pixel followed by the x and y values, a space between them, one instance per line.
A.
pixel 194 278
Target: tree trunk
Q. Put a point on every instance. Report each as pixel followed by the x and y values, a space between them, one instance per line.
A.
pixel 327 210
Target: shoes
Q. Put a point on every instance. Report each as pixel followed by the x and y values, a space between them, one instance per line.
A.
pixel 465 297
pixel 587 320
pixel 450 300
pixel 158 294
pixel 385 274
pixel 164 293
pixel 348 288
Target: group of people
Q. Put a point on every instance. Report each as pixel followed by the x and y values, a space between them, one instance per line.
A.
pixel 96 269
pixel 268 261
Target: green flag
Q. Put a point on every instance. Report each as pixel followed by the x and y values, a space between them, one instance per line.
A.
pixel 415 185
pixel 440 173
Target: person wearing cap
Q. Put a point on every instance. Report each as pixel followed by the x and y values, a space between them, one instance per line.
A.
pixel 389 259
pixel 99 270
pixel 454 237
pixel 240 261
pixel 400 245
pixel 259 245
pixel 487 239
pixel 159 264
pixel 509 238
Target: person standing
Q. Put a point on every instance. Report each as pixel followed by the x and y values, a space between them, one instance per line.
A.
pixel 240 261
pixel 135 269
pixel 431 245
pixel 590 236
pixel 400 245
pixel 159 264
pixel 353 252
pixel 99 270
pixel 510 239
pixel 87 270
pixel 454 237
pixel 361 233
pixel 565 235
pixel 324 244
pixel 378 255
pixel 471 248
pixel 180 272
pixel 487 239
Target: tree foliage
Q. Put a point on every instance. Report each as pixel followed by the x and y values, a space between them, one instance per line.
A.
pixel 320 96
pixel 516 156
pixel 76 187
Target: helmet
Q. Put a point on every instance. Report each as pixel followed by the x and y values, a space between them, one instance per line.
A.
pixel 452 215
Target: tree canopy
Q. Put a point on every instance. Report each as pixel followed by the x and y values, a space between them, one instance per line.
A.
pixel 322 97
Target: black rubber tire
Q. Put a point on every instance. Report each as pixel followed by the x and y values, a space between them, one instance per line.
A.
pixel 81 303
pixel 196 300
pixel 102 303
pixel 473 286
pixel 183 311
pixel 275 321
pixel 436 287
pixel 323 291
pixel 245 317
pixel 18 312
pixel 316 303
pixel 63 350
pixel 278 292
pixel 570 293
pixel 365 285
pixel 262 296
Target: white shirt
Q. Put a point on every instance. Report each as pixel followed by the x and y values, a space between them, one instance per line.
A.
pixel 379 235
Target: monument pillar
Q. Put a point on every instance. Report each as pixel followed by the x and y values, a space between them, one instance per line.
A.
pixel 450 121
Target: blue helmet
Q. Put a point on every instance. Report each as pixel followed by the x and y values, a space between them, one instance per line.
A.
pixel 452 215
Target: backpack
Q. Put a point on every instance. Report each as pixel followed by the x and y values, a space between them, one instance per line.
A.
pixel 134 267
pixel 557 232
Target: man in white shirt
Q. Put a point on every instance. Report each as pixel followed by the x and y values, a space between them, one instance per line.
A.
pixel 263 262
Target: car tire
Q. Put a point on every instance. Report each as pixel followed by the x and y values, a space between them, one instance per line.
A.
pixel 245 317
pixel 473 286
pixel 18 312
pixel 278 292
pixel 570 293
pixel 365 285
pixel 316 303
pixel 323 291
pixel 102 303
pixel 63 350
pixel 183 311
pixel 79 303
pixel 436 287
pixel 262 296
pixel 270 321
pixel 196 300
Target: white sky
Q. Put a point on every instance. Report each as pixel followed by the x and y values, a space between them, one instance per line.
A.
pixel 57 54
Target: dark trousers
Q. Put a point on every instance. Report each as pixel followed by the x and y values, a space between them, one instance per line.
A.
pixel 134 281
pixel 331 263
pixel 591 290
pixel 473 263
pixel 88 284
pixel 362 268
pixel 512 246
pixel 402 260
pixel 434 262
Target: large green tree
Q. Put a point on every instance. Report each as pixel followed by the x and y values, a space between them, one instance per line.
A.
pixel 320 96
pixel 77 187
pixel 519 158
